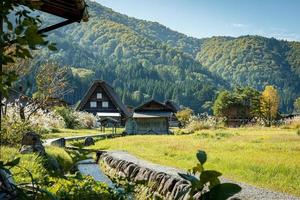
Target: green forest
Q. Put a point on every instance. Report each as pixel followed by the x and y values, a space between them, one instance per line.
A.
pixel 144 60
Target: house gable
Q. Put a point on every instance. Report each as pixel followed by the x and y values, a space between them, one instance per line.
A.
pixel 104 100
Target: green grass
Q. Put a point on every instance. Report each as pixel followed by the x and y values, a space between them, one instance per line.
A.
pixel 38 166
pixel 265 157
pixel 77 132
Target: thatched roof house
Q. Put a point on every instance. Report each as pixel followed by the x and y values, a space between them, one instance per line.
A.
pixel 103 101
pixel 151 117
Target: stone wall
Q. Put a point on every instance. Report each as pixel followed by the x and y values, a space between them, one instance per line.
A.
pixel 168 186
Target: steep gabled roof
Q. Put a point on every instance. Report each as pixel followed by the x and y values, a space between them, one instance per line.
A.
pixel 112 95
pixel 163 107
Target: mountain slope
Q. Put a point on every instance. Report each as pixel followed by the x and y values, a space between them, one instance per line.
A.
pixel 138 65
pixel 144 60
pixel 255 61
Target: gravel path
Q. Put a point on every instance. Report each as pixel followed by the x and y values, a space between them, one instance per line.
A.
pixel 248 192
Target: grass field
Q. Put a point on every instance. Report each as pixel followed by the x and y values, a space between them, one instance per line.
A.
pixel 265 157
pixel 77 132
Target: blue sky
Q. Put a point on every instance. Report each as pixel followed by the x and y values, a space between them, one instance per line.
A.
pixel 206 18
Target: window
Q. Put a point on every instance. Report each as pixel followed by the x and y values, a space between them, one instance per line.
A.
pixel 93 104
pixel 105 104
pixel 99 95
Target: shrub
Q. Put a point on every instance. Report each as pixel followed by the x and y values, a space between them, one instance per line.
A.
pixel 68 116
pixel 75 119
pixel 86 120
pixel 298 132
pixel 184 116
pixel 81 188
pixel 41 118
pixel 201 122
pixel 13 131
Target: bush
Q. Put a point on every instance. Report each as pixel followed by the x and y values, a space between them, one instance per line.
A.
pixel 13 131
pixel 298 132
pixel 81 188
pixel 74 119
pixel 201 122
pixel 184 116
pixel 68 116
pixel 86 120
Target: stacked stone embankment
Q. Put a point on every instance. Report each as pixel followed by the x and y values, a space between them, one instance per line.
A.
pixel 166 185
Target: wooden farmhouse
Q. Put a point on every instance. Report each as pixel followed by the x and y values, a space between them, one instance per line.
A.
pixel 103 101
pixel 151 117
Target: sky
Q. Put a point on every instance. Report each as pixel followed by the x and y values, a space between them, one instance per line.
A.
pixel 206 18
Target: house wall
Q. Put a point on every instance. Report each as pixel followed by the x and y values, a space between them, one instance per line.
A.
pixel 152 125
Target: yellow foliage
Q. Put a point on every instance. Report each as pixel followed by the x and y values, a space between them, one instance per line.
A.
pixel 269 103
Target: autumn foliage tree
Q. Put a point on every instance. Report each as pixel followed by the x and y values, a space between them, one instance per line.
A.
pixel 184 115
pixel 269 104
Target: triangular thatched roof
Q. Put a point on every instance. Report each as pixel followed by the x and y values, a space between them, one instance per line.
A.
pixel 110 93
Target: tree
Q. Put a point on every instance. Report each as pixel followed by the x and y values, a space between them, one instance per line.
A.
pixel 18 36
pixel 297 105
pixel 184 115
pixel 242 103
pixel 269 104
pixel 222 103
pixel 52 83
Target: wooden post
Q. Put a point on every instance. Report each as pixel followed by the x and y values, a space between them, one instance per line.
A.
pixel 1 74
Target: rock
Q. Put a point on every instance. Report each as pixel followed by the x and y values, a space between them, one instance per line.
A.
pixel 31 143
pixel 26 149
pixel 31 138
pixel 89 141
pixel 38 148
pixel 61 142
pixel 161 184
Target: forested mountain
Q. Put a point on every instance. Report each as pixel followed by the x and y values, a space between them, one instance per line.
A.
pixel 144 60
pixel 255 61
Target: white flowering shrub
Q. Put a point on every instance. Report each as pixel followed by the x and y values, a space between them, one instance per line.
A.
pixel 85 120
pixel 46 119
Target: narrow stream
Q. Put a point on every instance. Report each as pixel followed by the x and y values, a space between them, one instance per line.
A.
pixel 89 167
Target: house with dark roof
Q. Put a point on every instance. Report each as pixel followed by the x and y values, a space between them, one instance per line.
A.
pixel 102 101
pixel 151 117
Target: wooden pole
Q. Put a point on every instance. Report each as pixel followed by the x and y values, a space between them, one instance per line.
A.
pixel 1 74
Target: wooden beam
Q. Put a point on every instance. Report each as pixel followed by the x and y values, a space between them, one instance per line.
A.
pixel 56 26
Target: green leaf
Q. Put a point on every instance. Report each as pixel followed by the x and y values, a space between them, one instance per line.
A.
pixel 211 177
pixel 201 156
pixel 52 47
pixel 9 25
pixel 223 191
pixel 12 163
pixel 198 168
pixel 189 178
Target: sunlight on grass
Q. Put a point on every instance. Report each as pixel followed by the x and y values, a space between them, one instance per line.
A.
pixel 265 157
pixel 78 132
